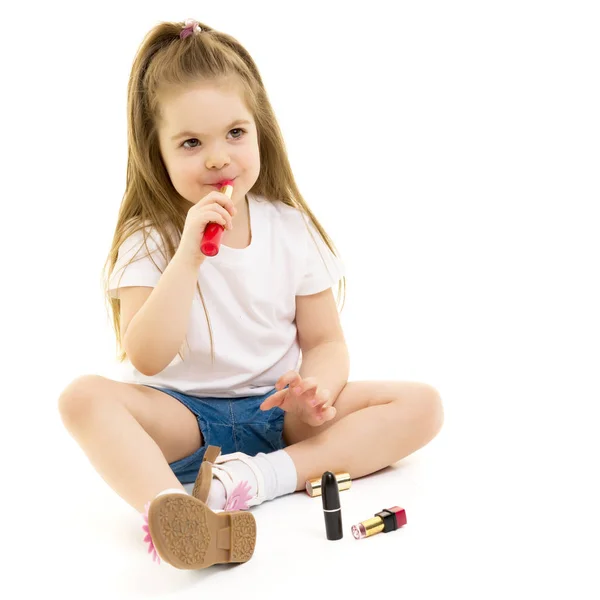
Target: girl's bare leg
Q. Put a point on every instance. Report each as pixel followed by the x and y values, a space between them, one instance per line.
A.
pixel 377 423
pixel 130 433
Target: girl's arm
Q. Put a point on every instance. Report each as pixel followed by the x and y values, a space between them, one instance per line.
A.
pixel 324 351
pixel 154 324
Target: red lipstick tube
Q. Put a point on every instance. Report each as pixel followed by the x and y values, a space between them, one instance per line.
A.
pixel 385 521
pixel 211 239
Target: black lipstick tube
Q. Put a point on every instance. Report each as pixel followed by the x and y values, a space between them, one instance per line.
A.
pixel 332 509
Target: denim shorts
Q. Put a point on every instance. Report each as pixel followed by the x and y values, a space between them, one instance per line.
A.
pixel 233 424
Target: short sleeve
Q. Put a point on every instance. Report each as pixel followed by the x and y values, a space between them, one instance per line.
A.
pixel 139 262
pixel 322 269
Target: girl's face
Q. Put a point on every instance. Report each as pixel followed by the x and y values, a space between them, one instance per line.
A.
pixel 207 134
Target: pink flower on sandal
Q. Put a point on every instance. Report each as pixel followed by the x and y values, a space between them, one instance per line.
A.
pixel 148 538
pixel 239 497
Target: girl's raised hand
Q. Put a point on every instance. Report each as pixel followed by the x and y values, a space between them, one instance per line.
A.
pixel 302 397
pixel 215 207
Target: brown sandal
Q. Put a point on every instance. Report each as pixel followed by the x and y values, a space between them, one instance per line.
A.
pixel 204 478
pixel 189 535
pixel 237 492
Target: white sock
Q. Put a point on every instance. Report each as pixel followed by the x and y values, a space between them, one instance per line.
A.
pixel 278 471
pixel 216 495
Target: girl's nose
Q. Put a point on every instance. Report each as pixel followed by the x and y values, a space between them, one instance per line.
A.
pixel 217 160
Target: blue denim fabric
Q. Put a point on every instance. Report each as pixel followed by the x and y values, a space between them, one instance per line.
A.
pixel 236 425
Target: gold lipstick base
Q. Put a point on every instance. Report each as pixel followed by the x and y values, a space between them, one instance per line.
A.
pixel 368 528
pixel 313 486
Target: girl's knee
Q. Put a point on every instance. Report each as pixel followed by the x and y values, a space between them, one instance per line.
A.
pixel 432 411
pixel 78 399
pixel 424 405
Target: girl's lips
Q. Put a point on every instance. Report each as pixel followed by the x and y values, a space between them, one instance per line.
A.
pixel 221 183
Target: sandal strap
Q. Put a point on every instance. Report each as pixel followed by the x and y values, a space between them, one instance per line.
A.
pixel 204 477
pixel 228 483
pixel 211 454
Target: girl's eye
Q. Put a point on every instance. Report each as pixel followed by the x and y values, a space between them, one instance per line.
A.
pixel 195 143
pixel 191 140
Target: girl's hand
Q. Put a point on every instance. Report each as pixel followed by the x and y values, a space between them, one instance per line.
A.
pixel 215 207
pixel 303 397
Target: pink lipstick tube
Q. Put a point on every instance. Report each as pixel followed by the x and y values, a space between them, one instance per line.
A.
pixel 211 239
pixel 385 521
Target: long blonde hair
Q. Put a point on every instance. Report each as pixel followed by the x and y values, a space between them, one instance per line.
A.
pixel 165 59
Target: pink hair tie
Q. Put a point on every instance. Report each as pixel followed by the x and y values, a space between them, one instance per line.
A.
pixel 190 27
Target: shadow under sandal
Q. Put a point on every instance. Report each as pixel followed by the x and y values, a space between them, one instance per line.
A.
pixel 189 535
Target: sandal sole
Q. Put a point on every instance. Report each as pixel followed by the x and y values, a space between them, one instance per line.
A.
pixel 189 535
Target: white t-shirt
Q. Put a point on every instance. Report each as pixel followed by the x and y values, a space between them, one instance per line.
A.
pixel 250 296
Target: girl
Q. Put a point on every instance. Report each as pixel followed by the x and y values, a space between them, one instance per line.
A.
pixel 241 352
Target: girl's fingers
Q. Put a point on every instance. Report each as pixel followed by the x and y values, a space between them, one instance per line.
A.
pixel 325 399
pixel 274 400
pixel 327 414
pixel 290 378
pixel 309 384
pixel 322 416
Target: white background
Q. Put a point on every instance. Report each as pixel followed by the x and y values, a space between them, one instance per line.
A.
pixel 464 138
